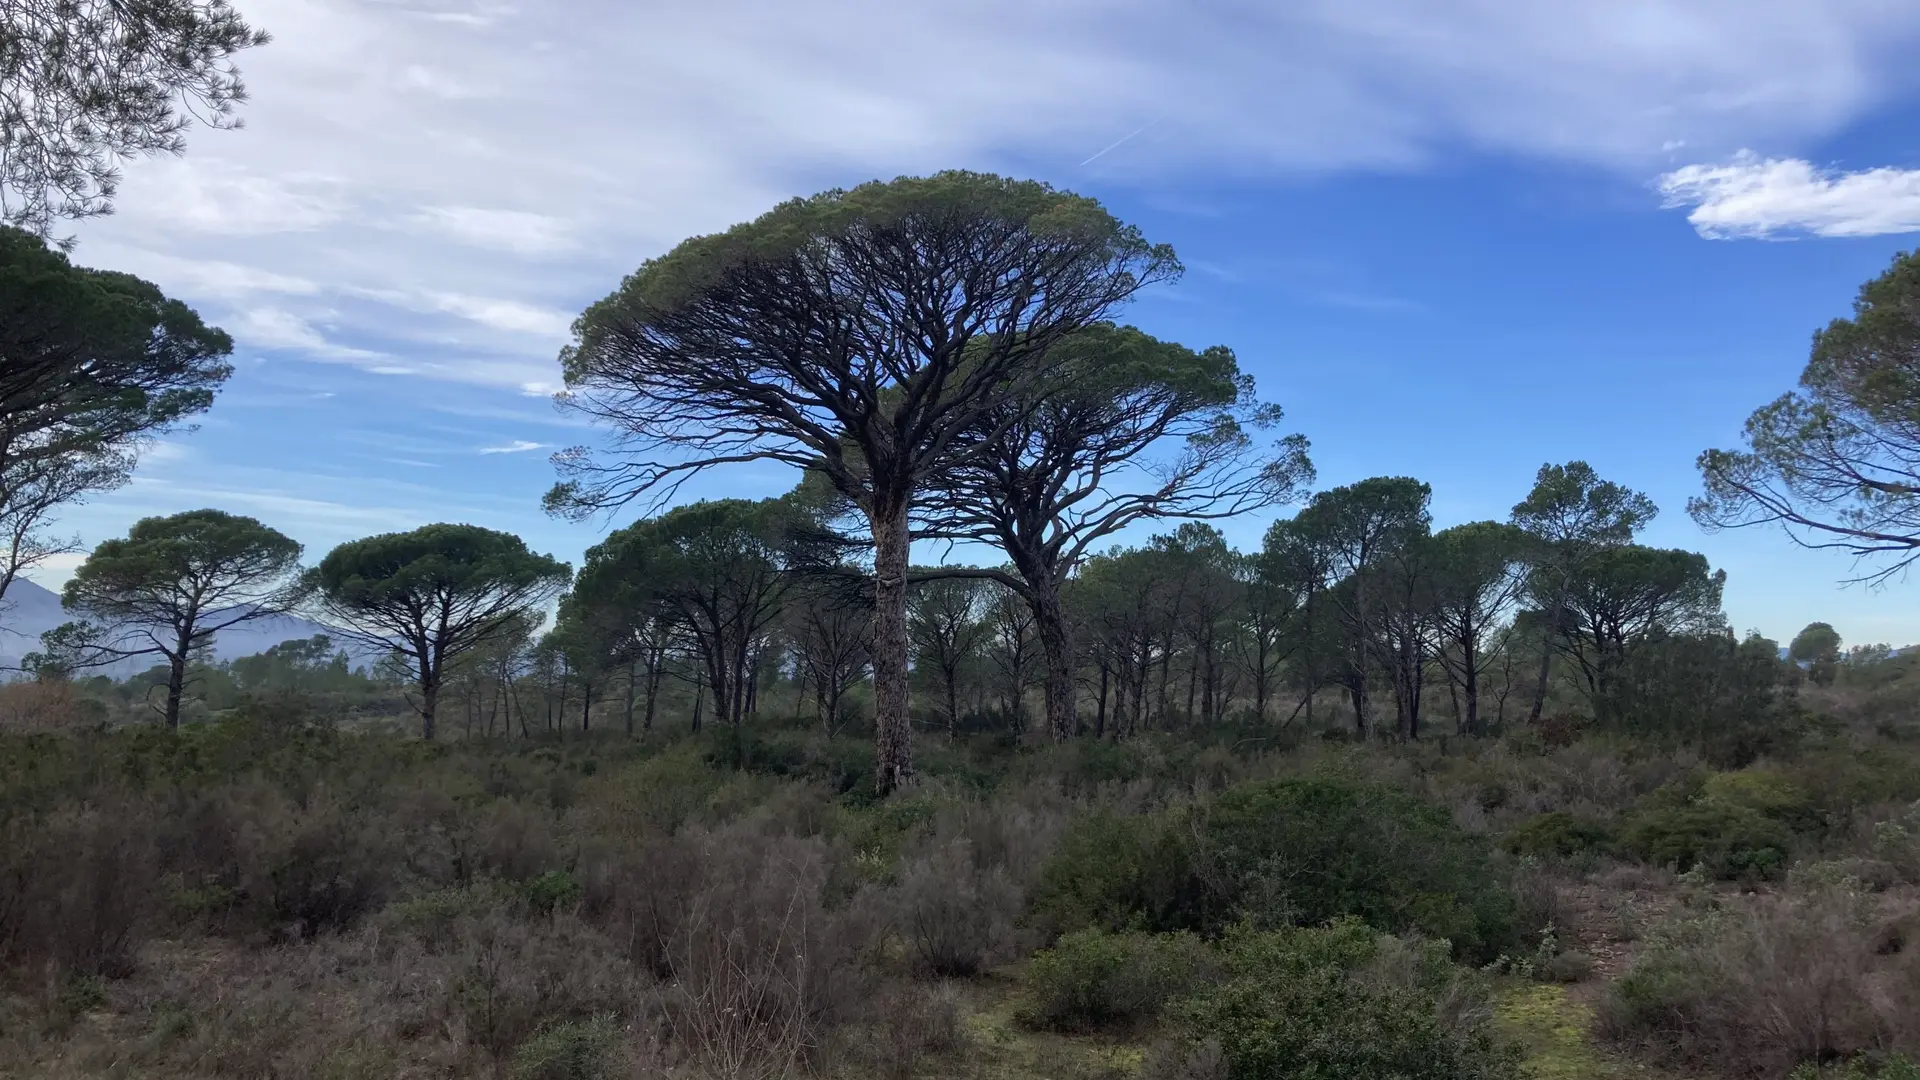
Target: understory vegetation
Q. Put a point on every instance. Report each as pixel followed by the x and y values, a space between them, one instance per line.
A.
pixel 262 893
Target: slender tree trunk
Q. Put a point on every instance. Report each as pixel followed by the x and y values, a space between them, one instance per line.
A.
pixel 656 670
pixel 892 725
pixel 586 704
pixel 1310 656
pixel 1056 645
pixel 1360 650
pixel 1472 690
pixel 1166 679
pixel 1555 614
pixel 633 694
pixel 1100 711
pixel 952 676
pixel 1262 675
pixel 1540 685
pixel 1193 681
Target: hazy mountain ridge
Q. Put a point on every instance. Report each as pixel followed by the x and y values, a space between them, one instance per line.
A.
pixel 29 610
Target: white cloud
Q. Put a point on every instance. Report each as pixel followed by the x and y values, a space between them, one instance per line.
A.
pixel 438 83
pixel 224 197
pixel 273 328
pixel 508 315
pixel 203 277
pixel 1753 197
pixel 516 231
pixel 368 167
pixel 162 452
pixel 517 446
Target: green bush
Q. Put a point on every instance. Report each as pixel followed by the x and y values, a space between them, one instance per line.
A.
pixel 576 1050
pixel 1558 835
pixel 1731 842
pixel 435 917
pixel 1305 851
pixel 1092 979
pixel 1767 792
pixel 1347 1002
pixel 1120 872
pixel 551 891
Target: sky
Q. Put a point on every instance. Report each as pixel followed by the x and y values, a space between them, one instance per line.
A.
pixel 1454 239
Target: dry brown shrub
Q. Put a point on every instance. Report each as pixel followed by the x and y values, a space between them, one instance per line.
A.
pixel 1016 831
pixel 77 887
pixel 911 1025
pixel 41 706
pixel 955 914
pixel 1175 1060
pixel 377 1002
pixel 1763 983
pixel 514 840
pixel 761 969
pixel 301 868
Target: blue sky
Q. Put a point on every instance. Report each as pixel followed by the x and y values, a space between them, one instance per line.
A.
pixel 1454 240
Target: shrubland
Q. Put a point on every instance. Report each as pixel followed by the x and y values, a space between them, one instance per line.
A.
pixel 245 897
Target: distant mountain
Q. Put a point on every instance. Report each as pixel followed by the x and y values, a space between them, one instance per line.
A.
pixel 29 610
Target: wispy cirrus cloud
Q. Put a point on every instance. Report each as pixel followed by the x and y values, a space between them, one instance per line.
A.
pixel 427 151
pixel 517 446
pixel 1760 198
pixel 276 328
pixel 517 231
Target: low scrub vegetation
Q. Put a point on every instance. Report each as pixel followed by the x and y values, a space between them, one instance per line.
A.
pixel 243 898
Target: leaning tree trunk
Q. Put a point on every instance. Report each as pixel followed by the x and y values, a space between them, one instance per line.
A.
pixel 1557 616
pixel 1056 645
pixel 893 727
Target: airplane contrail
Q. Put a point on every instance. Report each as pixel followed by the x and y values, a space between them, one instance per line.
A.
pixel 1114 144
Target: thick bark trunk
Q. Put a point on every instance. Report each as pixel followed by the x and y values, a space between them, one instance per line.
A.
pixel 1056 645
pixel 656 670
pixel 893 727
pixel 176 687
pixel 429 704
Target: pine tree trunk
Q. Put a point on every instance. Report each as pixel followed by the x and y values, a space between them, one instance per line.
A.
pixel 952 675
pixel 176 684
pixel 1100 712
pixel 1056 643
pixel 429 704
pixel 893 727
